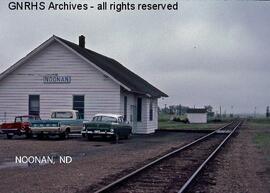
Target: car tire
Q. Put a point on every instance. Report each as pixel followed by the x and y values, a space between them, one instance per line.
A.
pixel 9 136
pixel 64 135
pixel 89 137
pixel 28 135
pixel 40 136
pixel 128 136
pixel 116 138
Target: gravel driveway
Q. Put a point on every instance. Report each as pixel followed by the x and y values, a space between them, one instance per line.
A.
pixel 94 162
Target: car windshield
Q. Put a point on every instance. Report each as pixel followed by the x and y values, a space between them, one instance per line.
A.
pixel 106 119
pixel 18 119
pixel 96 118
pixel 62 115
pixel 26 119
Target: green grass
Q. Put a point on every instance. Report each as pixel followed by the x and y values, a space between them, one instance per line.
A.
pixel 163 117
pixel 178 125
pixel 260 123
pixel 261 136
pixel 262 140
pixel 260 120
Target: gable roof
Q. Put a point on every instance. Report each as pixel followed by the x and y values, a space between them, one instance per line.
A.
pixel 134 82
pixel 126 78
pixel 203 110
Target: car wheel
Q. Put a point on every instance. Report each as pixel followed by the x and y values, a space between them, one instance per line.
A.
pixel 128 136
pixel 116 138
pixel 28 135
pixel 64 135
pixel 40 136
pixel 89 137
pixel 9 136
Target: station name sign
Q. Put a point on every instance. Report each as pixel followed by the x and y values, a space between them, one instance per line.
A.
pixel 56 79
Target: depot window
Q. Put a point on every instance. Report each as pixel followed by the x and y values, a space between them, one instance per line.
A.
pixel 125 108
pixel 34 105
pixel 78 104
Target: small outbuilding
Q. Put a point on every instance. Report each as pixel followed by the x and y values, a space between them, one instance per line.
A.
pixel 198 115
pixel 60 74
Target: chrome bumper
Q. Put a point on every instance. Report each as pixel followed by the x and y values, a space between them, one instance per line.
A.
pixel 46 130
pixel 97 132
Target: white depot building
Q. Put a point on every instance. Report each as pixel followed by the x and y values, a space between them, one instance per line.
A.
pixel 197 115
pixel 60 74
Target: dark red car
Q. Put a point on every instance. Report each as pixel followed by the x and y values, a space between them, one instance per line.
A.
pixel 20 126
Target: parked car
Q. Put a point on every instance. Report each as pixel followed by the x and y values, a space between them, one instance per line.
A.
pixel 107 125
pixel 20 126
pixel 61 123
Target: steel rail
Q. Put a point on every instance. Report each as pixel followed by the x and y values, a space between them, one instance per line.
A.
pixel 121 180
pixel 190 180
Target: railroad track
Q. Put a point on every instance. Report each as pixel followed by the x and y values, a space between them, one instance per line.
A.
pixel 175 171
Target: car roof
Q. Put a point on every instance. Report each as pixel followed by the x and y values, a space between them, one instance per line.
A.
pixel 108 115
pixel 63 110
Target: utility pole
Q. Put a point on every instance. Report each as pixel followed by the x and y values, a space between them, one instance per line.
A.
pixel 255 108
pixel 220 111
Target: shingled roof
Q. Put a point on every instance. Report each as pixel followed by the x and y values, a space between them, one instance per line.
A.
pixel 134 82
pixel 126 78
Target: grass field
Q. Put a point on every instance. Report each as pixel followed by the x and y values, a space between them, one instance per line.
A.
pixel 262 135
pixel 260 122
pixel 178 125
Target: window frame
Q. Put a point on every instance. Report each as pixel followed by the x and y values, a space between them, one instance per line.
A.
pixel 125 108
pixel 81 110
pixel 30 108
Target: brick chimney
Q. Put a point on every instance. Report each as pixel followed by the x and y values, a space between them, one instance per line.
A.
pixel 82 41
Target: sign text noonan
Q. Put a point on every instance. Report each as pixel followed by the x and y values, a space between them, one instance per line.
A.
pixel 55 79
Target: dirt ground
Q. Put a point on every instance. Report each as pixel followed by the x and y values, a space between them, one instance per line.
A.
pixel 241 167
pixel 93 161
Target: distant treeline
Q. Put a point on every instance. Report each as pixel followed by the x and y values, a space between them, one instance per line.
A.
pixel 181 110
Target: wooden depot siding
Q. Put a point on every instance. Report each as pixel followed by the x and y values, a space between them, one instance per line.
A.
pixel 102 95
pixel 145 126
pixel 130 102
pixel 152 125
